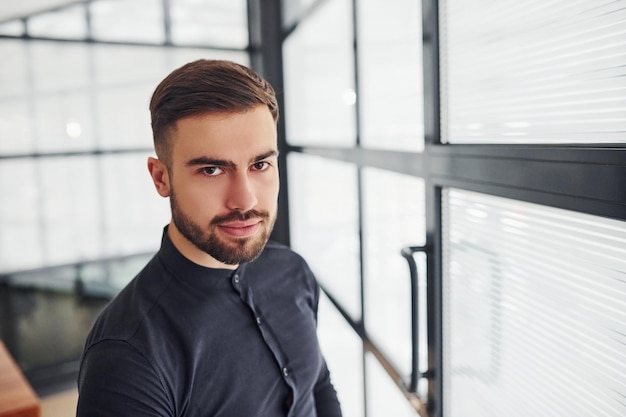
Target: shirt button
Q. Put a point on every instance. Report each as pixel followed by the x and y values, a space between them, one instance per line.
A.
pixel 236 279
pixel 285 372
pixel 258 320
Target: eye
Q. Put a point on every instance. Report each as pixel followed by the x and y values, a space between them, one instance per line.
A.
pixel 261 165
pixel 211 171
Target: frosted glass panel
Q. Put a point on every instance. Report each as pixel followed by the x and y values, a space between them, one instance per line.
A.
pixel 57 97
pixel 54 68
pixel 393 215
pixel 123 119
pixel 13 28
pixel 134 213
pixel 533 72
pixel 343 351
pixel 67 23
pixel 294 10
pixel 215 22
pixel 319 78
pixel 16 129
pixel 534 310
pixel 324 224
pixel 14 71
pixel 70 205
pixel 63 122
pixel 383 397
pixel 390 74
pixel 128 20
pixel 20 215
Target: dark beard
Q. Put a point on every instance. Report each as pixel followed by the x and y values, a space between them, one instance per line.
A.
pixel 233 251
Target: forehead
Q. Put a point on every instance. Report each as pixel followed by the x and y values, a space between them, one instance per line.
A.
pixel 233 136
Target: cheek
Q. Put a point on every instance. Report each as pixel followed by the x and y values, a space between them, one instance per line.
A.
pixel 194 196
pixel 267 192
pixel 272 189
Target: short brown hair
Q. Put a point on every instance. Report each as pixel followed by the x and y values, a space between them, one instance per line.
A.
pixel 203 87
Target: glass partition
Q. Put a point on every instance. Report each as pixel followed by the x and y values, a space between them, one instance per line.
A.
pixel 383 398
pixel 390 74
pixel 128 21
pixel 545 72
pixel 66 23
pixel 216 22
pixel 343 351
pixel 320 94
pixel 324 222
pixel 393 218
pixel 533 309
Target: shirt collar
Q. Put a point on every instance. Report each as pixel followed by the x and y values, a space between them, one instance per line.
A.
pixel 182 268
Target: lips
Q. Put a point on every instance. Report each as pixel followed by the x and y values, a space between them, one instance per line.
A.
pixel 240 229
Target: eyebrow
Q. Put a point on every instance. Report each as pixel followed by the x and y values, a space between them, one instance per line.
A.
pixel 205 160
pixel 265 155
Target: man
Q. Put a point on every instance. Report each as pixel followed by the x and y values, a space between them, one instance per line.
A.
pixel 220 323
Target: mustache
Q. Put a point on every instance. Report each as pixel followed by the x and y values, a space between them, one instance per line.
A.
pixel 240 216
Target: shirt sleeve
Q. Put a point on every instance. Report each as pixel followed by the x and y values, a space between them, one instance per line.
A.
pixel 116 380
pixel 326 401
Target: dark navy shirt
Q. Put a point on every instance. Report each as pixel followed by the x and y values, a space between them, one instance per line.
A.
pixel 185 340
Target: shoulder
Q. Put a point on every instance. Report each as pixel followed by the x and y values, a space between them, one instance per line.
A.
pixel 126 312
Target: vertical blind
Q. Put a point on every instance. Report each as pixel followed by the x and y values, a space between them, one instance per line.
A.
pixel 534 71
pixel 534 310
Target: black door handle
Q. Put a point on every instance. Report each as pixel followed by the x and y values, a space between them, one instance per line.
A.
pixel 407 253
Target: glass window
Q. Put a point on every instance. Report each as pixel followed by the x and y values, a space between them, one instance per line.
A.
pixel 63 122
pixel 20 215
pixel 180 56
pixel 533 73
pixel 54 212
pixel 293 10
pixel 383 397
pixel 16 127
pixel 319 91
pixel 57 97
pixel 12 28
pixel 393 217
pixel 123 117
pixel 128 21
pixel 324 223
pixel 533 308
pixel 214 23
pixel 56 68
pixel 71 209
pixel 118 66
pixel 134 213
pixel 14 71
pixel 343 351
pixel 66 23
pixel 390 74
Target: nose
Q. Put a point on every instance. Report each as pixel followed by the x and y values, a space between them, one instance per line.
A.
pixel 241 193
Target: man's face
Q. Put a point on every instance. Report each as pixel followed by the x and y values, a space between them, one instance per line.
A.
pixel 224 186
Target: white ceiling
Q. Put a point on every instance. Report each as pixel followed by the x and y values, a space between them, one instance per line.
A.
pixel 11 9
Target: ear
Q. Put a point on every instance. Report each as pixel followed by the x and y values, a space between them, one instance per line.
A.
pixel 160 176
